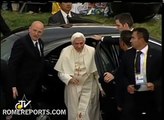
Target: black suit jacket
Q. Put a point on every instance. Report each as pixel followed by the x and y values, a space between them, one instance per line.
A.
pixel 110 40
pixel 26 66
pixel 110 87
pixel 57 18
pixel 113 41
pixel 153 70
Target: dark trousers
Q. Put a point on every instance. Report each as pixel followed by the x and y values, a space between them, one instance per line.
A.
pixel 139 106
pixel 109 108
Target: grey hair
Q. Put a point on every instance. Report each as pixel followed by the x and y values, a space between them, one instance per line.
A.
pixel 77 35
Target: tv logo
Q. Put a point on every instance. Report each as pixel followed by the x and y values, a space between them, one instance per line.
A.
pixel 24 103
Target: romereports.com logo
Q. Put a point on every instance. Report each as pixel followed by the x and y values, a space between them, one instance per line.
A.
pixel 23 107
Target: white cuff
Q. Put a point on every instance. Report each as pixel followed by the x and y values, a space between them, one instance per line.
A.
pixel 102 38
pixel 64 77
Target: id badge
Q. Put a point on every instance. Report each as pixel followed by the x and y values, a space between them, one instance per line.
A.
pixel 139 79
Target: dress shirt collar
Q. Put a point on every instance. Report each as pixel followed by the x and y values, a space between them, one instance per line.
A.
pixel 131 29
pixel 34 41
pixel 144 50
pixel 129 48
pixel 65 14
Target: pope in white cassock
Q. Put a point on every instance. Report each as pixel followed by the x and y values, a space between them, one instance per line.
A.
pixel 76 68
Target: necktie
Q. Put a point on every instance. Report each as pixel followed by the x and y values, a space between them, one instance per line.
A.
pixel 138 61
pixel 68 19
pixel 37 49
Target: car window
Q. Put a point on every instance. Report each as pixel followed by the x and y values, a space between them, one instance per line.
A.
pixel 7 43
pixel 6 46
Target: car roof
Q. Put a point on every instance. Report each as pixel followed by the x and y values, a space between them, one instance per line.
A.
pixel 64 31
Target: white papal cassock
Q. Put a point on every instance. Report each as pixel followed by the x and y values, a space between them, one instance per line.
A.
pixel 82 100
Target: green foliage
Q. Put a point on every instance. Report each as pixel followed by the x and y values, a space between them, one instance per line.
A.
pixel 16 20
pixel 154 25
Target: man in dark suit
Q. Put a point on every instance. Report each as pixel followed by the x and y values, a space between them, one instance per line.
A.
pixel 143 88
pixel 109 81
pixel 62 16
pixel 3 84
pixel 123 21
pixel 26 65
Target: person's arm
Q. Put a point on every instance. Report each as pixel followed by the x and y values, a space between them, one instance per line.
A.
pixel 110 40
pixel 53 22
pixel 97 37
pixel 68 79
pixel 64 77
pixel 56 19
pixel 13 65
pixel 15 60
pixel 106 39
pixel 108 77
pixel 50 20
pixel 99 84
pixel 97 77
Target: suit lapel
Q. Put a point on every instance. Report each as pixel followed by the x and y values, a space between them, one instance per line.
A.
pixel 61 18
pixel 31 48
pixel 41 47
pixel 72 14
pixel 132 58
pixel 148 62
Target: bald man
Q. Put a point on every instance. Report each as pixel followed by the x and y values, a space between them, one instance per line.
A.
pixel 26 65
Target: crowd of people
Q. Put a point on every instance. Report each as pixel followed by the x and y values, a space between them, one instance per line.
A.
pixel 83 8
pixel 122 94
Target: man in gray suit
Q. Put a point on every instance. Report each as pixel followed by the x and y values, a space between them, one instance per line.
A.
pixel 62 16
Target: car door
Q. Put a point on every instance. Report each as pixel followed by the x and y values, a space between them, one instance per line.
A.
pixel 106 58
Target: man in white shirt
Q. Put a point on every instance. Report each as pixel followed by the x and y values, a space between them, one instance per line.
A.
pixel 61 17
pixel 143 95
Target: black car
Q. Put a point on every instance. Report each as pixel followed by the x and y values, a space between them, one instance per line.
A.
pixel 140 11
pixel 55 39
